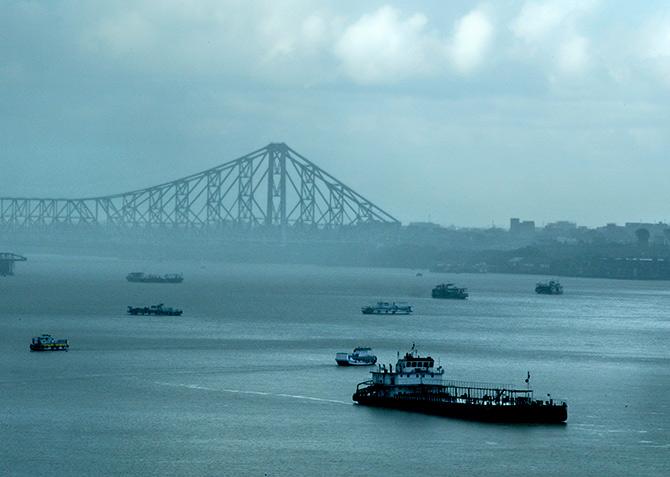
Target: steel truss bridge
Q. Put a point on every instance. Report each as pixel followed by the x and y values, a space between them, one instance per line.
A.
pixel 274 187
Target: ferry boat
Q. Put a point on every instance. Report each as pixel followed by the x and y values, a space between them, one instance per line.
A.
pixel 449 290
pixel 552 287
pixel 140 277
pixel 48 343
pixel 385 308
pixel 159 310
pixel 417 385
pixel 360 357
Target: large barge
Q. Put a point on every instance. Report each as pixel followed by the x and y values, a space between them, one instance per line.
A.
pixel 417 385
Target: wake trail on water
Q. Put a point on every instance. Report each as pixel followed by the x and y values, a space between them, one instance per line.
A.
pixel 255 393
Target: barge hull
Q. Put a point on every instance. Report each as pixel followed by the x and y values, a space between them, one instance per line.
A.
pixel 543 414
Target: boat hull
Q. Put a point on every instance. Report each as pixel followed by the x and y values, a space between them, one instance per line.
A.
pixel 55 347
pixel 540 414
pixel 541 291
pixel 451 297
pixel 341 362
pixel 386 312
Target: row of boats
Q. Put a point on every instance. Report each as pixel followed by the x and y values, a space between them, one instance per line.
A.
pixel 447 291
pixel 444 290
pixel 416 384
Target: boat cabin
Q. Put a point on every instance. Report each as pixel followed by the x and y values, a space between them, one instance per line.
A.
pixel 410 370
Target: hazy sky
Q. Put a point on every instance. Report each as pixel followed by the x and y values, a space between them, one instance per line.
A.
pixel 459 112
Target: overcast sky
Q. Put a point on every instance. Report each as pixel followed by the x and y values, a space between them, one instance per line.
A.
pixel 458 112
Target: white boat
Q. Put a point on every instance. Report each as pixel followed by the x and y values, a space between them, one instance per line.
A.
pixel 386 308
pixel 360 357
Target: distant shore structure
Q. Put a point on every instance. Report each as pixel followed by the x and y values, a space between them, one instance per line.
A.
pixel 7 260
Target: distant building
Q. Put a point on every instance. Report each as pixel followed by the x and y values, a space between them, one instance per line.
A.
pixel 561 226
pixel 658 233
pixel 521 227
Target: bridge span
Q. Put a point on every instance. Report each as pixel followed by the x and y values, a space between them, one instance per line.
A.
pixel 272 187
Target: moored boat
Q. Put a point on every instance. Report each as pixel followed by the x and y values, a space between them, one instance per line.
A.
pixel 386 308
pixel 48 343
pixel 158 310
pixel 417 385
pixel 552 287
pixel 140 277
pixel 449 290
pixel 359 357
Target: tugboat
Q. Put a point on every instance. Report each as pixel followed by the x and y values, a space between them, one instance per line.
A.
pixel 158 310
pixel 48 343
pixel 140 277
pixel 385 308
pixel 416 385
pixel 360 357
pixel 449 290
pixel 552 287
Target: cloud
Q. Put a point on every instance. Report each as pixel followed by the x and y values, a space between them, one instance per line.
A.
pixel 573 55
pixel 471 41
pixel 549 29
pixel 537 20
pixel 129 32
pixel 655 46
pixel 385 47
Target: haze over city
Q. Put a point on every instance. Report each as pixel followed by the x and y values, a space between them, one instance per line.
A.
pixel 464 113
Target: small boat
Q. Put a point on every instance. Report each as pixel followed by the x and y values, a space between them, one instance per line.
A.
pixel 140 277
pixel 552 287
pixel 417 385
pixel 449 290
pixel 385 308
pixel 48 343
pixel 158 310
pixel 360 357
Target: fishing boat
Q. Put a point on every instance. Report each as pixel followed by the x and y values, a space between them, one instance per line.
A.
pixel 48 343
pixel 449 290
pixel 140 277
pixel 158 310
pixel 415 384
pixel 386 308
pixel 359 357
pixel 552 287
